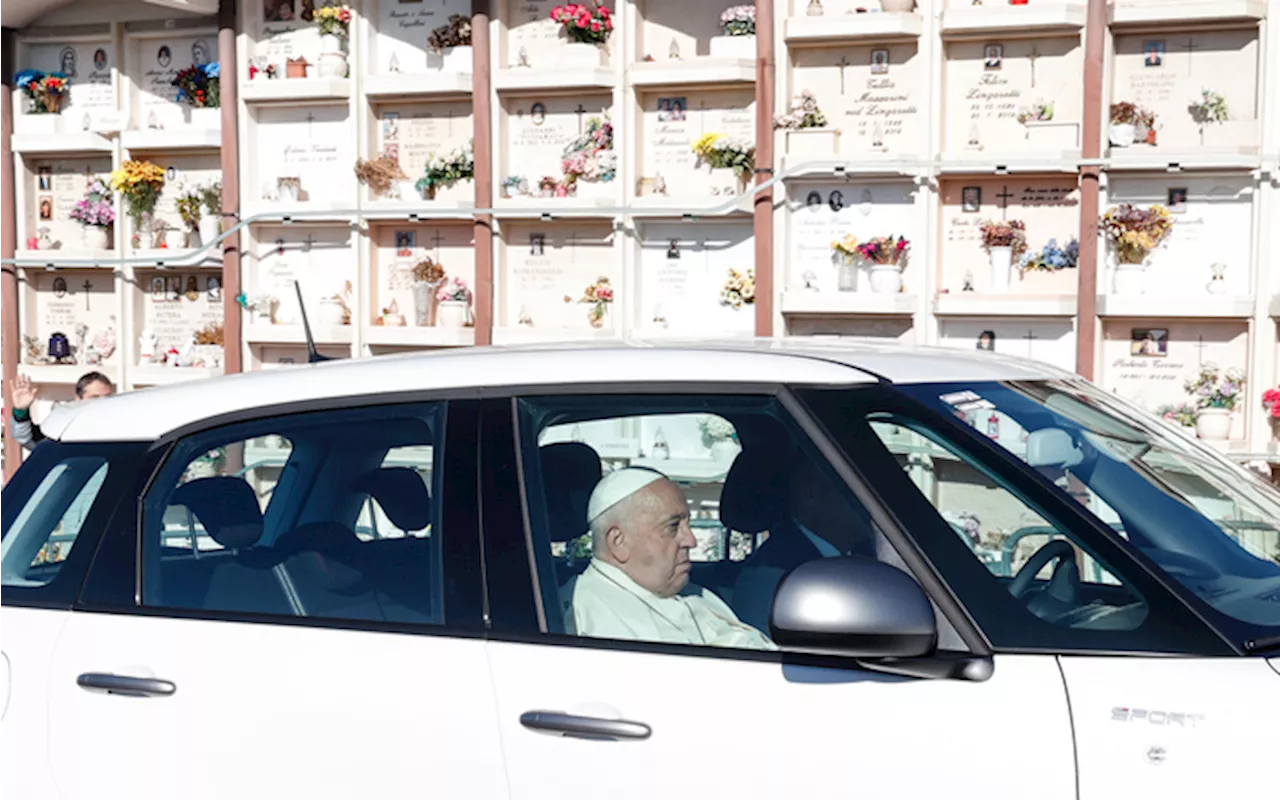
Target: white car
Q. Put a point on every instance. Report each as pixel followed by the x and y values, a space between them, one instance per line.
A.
pixel 983 578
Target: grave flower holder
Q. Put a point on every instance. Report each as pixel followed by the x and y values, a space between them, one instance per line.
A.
pixel 449 46
pixel 290 189
pixel 736 47
pixel 813 142
pixel 296 67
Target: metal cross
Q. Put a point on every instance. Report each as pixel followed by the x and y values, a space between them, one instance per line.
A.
pixel 1004 196
pixel 1201 346
pixel 842 63
pixel 310 240
pixel 437 238
pixel 1030 337
pixel 1190 47
pixel 1033 56
pixel 451 122
pixel 580 111
pixel 87 286
pixel 310 119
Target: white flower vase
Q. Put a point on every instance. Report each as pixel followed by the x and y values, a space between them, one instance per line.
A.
pixel 333 57
pixel 818 143
pixel 97 237
pixel 1213 424
pixel 724 450
pixel 1001 269
pixel 577 55
pixel 846 273
pixel 330 313
pixel 886 278
pixel 897 6
pixel 425 305
pixel 453 314
pixel 452 59
pixel 742 47
pixel 289 193
pixel 206 118
pixel 1122 135
pixel 1129 279
pixel 724 183
pixel 210 228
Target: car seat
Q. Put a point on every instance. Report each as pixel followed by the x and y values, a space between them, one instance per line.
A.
pixel 570 472
pixel 753 501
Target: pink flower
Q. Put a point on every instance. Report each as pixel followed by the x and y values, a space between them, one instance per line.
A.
pixel 608 23
pixel 595 26
pixel 582 23
pixel 555 12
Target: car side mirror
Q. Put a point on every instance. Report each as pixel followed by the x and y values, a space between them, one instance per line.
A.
pixel 853 606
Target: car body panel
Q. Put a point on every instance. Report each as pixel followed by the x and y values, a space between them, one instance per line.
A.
pixel 30 638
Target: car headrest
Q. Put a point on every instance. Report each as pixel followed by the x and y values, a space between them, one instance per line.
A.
pixel 754 497
pixel 401 493
pixel 226 506
pixel 570 470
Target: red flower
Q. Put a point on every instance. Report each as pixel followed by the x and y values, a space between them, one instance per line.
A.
pixel 595 26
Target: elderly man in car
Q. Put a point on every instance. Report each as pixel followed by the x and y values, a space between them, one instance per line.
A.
pixel 637 584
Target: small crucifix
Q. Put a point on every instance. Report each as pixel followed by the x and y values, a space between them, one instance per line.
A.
pixel 1004 196
pixel 1033 56
pixel 307 243
pixel 1200 346
pixel 1030 337
pixel 436 239
pixel 87 286
pixel 842 63
pixel 1190 47
pixel 580 111
pixel 310 119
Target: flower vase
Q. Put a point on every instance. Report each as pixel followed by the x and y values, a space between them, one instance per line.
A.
pixel 1213 424
pixel 846 273
pixel 897 6
pixel 289 192
pixel 1275 428
pixel 97 237
pixel 1128 279
pixel 425 304
pixel 206 118
pixel 210 229
pixel 1001 269
pixel 452 59
pixel 453 314
pixel 579 55
pixel 742 47
pixel 724 182
pixel 31 124
pixel 333 57
pixel 600 320
pixel 886 278
pixel 1122 135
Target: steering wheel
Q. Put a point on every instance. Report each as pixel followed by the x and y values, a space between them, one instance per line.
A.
pixel 1058 549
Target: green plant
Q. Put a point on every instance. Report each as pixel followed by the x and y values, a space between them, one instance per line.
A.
pixel 455 33
pixel 459 165
pixel 1211 109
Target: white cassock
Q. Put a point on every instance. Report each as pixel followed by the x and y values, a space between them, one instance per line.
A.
pixel 604 602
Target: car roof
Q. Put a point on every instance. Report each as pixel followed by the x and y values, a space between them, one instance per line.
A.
pixel 148 414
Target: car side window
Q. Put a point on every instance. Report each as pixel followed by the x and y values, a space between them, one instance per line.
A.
pixel 674 519
pixel 271 517
pixel 46 529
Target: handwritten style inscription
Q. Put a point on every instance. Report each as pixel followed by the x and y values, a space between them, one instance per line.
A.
pixel 993 98
pixel 881 110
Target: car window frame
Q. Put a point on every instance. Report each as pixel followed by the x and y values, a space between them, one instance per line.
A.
pixel 941 545
pixel 106 589
pixel 506 525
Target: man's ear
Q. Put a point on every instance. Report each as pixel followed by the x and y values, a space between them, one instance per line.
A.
pixel 617 541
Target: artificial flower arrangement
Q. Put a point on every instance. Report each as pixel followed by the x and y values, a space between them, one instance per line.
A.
pixel 739 21
pixel 199 85
pixel 739 289
pixel 1134 232
pixel 428 271
pixel 584 24
pixel 459 165
pixel 846 248
pixel 96 209
pixel 1036 112
pixel 884 249
pixel 45 90
pixel 140 183
pixel 1051 257
pixel 1183 414
pixel 716 429
pixel 719 151
pixel 334 20
pixel 803 114
pixel 548 185
pixel 211 196
pixel 598 295
pixel 455 291
pixel 590 157
pixel 379 174
pixel 514 185
pixel 188 201
pixel 455 33
pixel 1213 388
pixel 1126 113
pixel 1271 402
pixel 1011 234
pixel 267 71
pixel 1211 109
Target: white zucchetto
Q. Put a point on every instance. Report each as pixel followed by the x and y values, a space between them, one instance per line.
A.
pixel 618 486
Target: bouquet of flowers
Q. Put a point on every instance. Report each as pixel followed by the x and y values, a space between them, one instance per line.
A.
pixel 454 291
pixel 1211 108
pixel 211 196
pixel 1134 232
pixel 739 289
pixel 739 21
pixel 598 295
pixel 188 202
pixel 1126 113
pixel 716 429
pixel 1051 257
pixel 379 173
pixel 457 33
pixel 1183 414
pixel 45 90
pixel 199 85
pixel 140 182
pixel 428 271
pixel 515 185
pixel 268 70
pixel 846 248
pixel 1213 388
pixel 719 151
pixel 1271 402
pixel 1011 234
pixel 96 208
pixel 584 24
pixel 459 165
pixel 333 20
pixel 1037 112
pixel 591 157
pixel 803 114
pixel 884 249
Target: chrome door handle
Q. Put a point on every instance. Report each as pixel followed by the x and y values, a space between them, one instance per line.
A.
pixel 584 727
pixel 126 685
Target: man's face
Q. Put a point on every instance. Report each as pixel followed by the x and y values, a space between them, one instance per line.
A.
pixel 652 539
pixel 97 389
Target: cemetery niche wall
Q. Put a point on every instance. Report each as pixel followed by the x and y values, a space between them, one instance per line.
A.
pixel 419 137
pixel 73 319
pixel 154 63
pixel 695 279
pixel 558 146
pixel 675 123
pixel 91 101
pixel 303 155
pixel 52 189
pixel 400 37
pixel 180 318
pixel 315 256
pixel 417 267
pixel 553 275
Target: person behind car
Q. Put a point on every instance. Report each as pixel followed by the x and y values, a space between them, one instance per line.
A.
pixel 637 584
pixel 91 386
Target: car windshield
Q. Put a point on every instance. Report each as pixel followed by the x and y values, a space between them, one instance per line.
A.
pixel 1214 527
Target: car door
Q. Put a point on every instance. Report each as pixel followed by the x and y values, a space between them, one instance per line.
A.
pixel 54 510
pixel 267 649
pixel 714 721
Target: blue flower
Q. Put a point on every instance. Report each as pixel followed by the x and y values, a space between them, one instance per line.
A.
pixel 26 77
pixel 211 70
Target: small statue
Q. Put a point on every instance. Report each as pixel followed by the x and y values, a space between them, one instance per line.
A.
pixel 659 317
pixel 810 280
pixel 674 51
pixel 43 241
pixel 814 9
pixel 152 122
pixel 394 66
pixel 82 336
pixel 146 347
pixel 525 318
pixel 105 342
pixel 659 184
pixel 33 352
pixel 968 280
pixel 523 57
